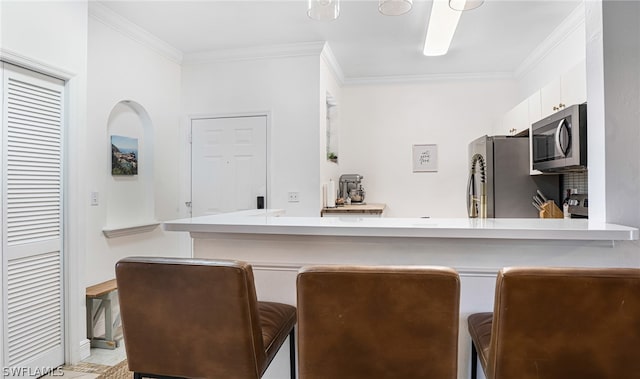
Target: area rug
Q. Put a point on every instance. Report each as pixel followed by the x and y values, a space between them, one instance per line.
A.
pixel 119 371
pixel 90 368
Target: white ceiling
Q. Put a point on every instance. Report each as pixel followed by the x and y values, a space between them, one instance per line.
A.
pixel 495 38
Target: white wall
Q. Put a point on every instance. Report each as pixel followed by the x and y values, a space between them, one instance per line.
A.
pixel 51 37
pixel 121 68
pixel 288 88
pixel 50 32
pixel 380 123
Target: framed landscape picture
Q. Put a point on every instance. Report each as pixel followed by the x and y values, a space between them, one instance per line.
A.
pixel 124 155
pixel 425 158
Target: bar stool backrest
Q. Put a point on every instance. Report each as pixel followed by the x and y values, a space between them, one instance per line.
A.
pixel 560 323
pixel 361 322
pixel 190 318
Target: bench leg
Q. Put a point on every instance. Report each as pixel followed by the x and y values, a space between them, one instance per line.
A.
pixel 108 322
pixel 89 318
pixel 108 342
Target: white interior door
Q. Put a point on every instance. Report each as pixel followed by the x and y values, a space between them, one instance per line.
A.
pixel 32 274
pixel 228 164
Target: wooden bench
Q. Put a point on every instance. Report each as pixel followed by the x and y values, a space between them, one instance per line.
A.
pixel 101 292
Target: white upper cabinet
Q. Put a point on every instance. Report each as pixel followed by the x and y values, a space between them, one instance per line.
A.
pixel 520 118
pixel 568 89
pixel 534 108
pixel 534 116
pixel 573 85
pixel 550 98
pixel 516 120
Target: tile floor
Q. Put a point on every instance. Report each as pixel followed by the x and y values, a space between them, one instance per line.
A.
pixel 106 356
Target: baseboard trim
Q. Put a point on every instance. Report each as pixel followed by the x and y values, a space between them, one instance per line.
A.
pixel 85 349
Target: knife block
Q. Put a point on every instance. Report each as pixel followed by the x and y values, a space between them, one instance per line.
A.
pixel 550 210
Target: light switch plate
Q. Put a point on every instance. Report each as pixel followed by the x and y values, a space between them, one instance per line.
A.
pixel 293 197
pixel 94 199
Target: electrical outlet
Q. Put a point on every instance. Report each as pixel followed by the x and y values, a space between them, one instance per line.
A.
pixel 94 199
pixel 293 197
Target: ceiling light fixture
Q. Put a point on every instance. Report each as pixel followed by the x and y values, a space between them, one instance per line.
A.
pixel 464 5
pixel 394 7
pixel 442 25
pixel 324 10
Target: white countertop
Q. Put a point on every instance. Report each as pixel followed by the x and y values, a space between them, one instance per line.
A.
pixel 272 222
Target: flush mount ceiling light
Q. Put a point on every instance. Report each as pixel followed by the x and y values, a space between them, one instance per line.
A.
pixel 394 7
pixel 464 5
pixel 324 10
pixel 442 25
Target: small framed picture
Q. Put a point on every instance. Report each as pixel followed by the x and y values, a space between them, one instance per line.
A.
pixel 124 155
pixel 425 158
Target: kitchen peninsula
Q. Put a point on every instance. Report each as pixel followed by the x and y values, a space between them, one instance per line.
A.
pixel 278 246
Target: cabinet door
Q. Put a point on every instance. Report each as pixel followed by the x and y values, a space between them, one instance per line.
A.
pixel 534 116
pixel 517 119
pixel 574 85
pixel 535 111
pixel 568 89
pixel 550 98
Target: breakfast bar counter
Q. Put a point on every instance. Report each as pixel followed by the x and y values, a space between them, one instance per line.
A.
pixel 278 246
pixel 274 222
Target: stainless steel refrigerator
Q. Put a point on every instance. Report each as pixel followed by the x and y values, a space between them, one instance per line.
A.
pixel 499 182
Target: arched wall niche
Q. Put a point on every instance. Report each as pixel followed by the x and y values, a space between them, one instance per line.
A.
pixel 130 198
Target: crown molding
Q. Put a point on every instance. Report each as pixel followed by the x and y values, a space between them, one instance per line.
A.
pixel 402 79
pixel 110 18
pixel 332 62
pixel 575 20
pixel 42 67
pixel 256 52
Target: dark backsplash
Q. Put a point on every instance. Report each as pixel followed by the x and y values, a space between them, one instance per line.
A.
pixel 576 180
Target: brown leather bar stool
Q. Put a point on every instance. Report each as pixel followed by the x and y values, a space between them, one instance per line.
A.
pixel 560 323
pixel 198 318
pixel 378 322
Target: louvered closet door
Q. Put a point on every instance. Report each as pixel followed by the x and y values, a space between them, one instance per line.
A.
pixel 32 287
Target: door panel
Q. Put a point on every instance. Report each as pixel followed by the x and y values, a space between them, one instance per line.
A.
pixel 32 285
pixel 228 164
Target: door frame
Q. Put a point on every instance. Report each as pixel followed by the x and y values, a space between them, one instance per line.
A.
pixel 188 179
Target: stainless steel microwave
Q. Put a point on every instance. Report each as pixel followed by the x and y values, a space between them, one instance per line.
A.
pixel 559 141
